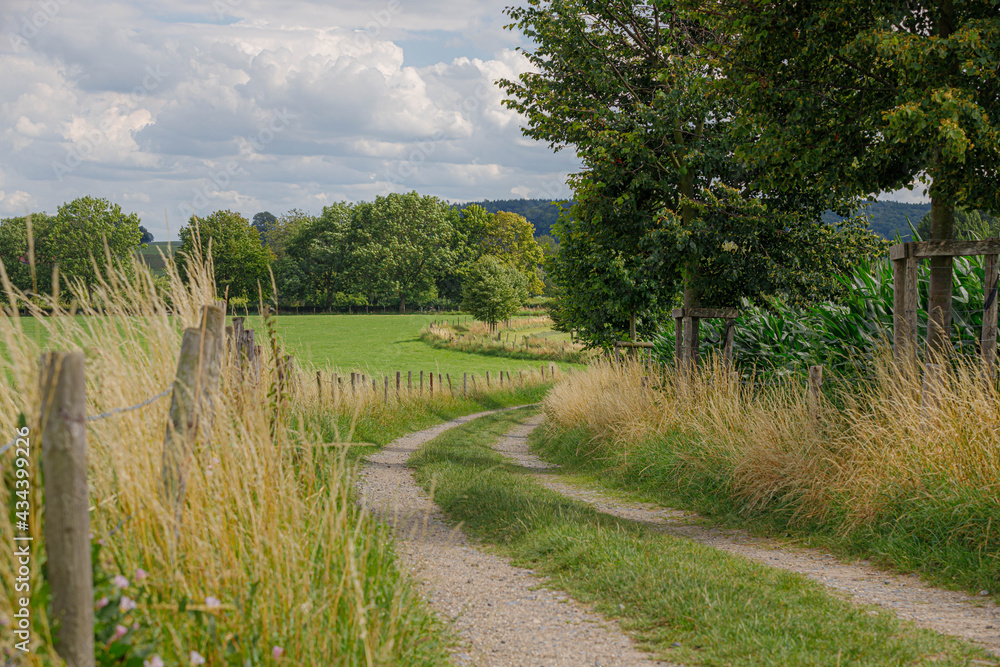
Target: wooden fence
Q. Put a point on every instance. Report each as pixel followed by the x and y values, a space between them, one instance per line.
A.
pixel 207 352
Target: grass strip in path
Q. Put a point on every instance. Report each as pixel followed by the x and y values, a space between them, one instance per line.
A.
pixel 683 601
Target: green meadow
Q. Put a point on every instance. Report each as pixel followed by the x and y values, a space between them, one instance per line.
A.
pixel 372 344
pixel 381 345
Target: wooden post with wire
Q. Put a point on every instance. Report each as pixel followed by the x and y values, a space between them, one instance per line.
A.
pixel 905 259
pixel 67 517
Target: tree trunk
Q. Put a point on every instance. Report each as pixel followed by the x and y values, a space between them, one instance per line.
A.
pixel 939 293
pixel 402 303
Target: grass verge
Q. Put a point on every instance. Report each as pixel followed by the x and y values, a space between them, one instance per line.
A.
pixel 683 601
pixel 879 476
pixel 477 339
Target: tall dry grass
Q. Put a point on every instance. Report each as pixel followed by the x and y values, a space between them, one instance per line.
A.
pixel 476 338
pixel 877 461
pixel 273 561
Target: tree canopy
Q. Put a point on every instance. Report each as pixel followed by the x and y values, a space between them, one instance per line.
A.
pixel 240 261
pixel 636 89
pixel 493 290
pixel 850 98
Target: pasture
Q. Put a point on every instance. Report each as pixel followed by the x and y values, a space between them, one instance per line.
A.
pixel 380 345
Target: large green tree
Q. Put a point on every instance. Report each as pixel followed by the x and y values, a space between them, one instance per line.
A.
pixel 844 98
pixel 509 237
pixel 15 252
pixel 493 290
pixel 635 89
pixel 240 261
pixel 84 234
pixel 400 244
pixel 315 258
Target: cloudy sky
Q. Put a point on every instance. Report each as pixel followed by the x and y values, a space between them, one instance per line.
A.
pixel 176 107
pixel 182 106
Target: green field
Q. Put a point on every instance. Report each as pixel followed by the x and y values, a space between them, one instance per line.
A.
pixel 373 344
pixel 380 345
pixel 151 253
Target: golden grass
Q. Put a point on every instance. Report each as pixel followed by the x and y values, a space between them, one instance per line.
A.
pixel 269 527
pixel 477 338
pixel 768 447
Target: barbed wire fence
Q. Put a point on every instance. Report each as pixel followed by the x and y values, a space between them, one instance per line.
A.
pixel 109 413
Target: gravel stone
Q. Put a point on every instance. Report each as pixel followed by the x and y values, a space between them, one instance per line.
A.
pixel 949 612
pixel 502 614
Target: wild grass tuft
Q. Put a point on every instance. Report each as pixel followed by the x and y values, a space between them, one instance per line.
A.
pixel 272 555
pixel 880 473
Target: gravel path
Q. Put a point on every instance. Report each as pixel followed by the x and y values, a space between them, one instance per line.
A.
pixel 501 613
pixel 976 619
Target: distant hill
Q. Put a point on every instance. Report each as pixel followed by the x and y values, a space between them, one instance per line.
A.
pixel 542 213
pixel 886 218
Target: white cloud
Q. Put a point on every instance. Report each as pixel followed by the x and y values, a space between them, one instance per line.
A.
pixel 266 107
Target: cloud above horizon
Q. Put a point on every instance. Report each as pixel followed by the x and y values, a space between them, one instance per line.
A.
pixel 247 105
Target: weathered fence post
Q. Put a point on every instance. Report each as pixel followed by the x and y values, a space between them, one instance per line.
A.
pixel 432 382
pixel 465 382
pixel 487 379
pixel 385 396
pixel 989 336
pixel 185 412
pixel 352 382
pixel 451 390
pixel 552 371
pixel 319 386
pixel 815 392
pixel 399 376
pixel 421 383
pixel 67 519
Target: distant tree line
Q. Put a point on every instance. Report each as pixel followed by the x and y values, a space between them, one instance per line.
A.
pixel 400 251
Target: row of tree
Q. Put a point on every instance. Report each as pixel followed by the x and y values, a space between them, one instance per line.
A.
pixel 715 134
pixel 76 243
pixel 400 249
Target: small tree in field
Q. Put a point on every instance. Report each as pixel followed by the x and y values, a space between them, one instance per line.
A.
pixel 493 291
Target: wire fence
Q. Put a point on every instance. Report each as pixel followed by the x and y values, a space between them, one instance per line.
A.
pixel 105 415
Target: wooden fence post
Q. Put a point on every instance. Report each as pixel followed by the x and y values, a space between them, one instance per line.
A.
pixel 989 335
pixel 182 426
pixel 432 382
pixel 815 392
pixel 385 398
pixel 552 371
pixel 487 379
pixel 421 383
pixel 67 519
pixel 352 382
pixel 465 382
pixel 451 390
pixel 399 376
pixel 319 386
